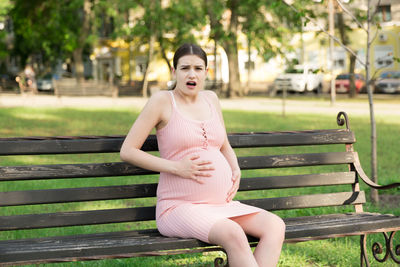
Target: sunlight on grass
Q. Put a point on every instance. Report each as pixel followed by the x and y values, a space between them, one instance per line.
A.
pixel 341 252
pixel 36 116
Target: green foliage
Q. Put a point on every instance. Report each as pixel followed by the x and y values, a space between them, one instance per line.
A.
pixel 5 6
pixel 52 28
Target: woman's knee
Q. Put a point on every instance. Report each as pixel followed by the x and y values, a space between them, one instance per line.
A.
pixel 278 228
pixel 275 226
pixel 228 233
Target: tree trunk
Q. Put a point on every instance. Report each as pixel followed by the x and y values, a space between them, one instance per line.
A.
pixel 231 49
pixel 164 55
pixel 345 40
pixel 352 85
pixel 332 33
pixel 374 159
pixel 234 88
pixel 78 63
pixel 84 33
pixel 215 35
pixel 215 65
pixel 247 89
pixel 149 59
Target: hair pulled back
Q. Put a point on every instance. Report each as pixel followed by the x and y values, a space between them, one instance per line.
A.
pixel 189 49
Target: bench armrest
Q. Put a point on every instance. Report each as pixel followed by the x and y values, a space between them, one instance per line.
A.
pixel 366 179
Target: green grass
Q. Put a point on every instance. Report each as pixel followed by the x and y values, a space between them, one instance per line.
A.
pixel 117 121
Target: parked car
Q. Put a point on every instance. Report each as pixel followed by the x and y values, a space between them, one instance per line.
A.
pixel 8 82
pixel 45 82
pixel 388 82
pixel 342 83
pixel 299 79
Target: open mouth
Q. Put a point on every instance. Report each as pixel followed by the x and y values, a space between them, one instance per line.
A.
pixel 191 83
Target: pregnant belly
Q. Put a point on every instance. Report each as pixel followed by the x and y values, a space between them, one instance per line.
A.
pixel 214 189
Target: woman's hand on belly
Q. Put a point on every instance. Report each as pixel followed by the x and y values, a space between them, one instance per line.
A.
pixel 192 167
pixel 236 182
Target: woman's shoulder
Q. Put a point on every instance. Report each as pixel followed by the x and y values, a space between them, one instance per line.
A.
pixel 211 95
pixel 158 103
pixel 159 97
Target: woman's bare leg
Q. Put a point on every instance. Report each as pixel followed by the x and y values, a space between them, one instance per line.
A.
pixel 270 229
pixel 233 239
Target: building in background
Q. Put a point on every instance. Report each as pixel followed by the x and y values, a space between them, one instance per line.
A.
pixel 124 62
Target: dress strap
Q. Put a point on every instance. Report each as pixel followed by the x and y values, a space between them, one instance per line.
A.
pixel 211 105
pixel 172 98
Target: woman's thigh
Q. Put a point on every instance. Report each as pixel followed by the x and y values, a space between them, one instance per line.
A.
pixel 260 224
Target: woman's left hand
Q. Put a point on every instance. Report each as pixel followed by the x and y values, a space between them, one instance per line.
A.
pixel 236 181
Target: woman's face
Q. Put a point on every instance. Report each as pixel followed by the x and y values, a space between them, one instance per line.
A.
pixel 190 74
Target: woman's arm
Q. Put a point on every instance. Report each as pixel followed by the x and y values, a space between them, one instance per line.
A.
pixel 153 114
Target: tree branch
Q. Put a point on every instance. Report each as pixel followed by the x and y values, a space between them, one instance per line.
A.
pixel 326 32
pixel 351 15
pixel 370 20
pixel 381 67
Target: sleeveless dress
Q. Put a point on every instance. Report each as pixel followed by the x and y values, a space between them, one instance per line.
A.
pixel 186 208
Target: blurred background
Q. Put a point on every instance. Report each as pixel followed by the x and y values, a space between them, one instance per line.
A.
pixel 125 48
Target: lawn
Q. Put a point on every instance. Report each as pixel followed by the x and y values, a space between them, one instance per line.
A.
pixel 117 121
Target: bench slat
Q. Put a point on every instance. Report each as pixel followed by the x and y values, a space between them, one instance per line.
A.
pixel 34 221
pixel 293 181
pixel 93 144
pixel 8 173
pixel 15 198
pixel 308 201
pixel 273 139
pixel 119 243
pixel 76 218
pixel 59 171
pixel 50 196
pixel 296 160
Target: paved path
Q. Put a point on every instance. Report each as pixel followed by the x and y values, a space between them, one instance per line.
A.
pixel 357 107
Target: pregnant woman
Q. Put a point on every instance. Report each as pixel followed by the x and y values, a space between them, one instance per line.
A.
pixel 199 172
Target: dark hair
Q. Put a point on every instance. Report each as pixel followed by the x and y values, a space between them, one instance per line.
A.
pixel 189 49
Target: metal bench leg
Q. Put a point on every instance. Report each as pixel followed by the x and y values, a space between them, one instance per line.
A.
pixel 363 253
pixel 378 249
pixel 219 262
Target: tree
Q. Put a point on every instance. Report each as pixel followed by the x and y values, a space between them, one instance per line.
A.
pixel 5 6
pixel 264 27
pixel 56 29
pixel 370 37
pixel 180 21
pixel 147 29
pixel 257 20
pixel 175 23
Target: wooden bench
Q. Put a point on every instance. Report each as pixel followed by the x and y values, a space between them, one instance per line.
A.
pixel 70 87
pixel 30 193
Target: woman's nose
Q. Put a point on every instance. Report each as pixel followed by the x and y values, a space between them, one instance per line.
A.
pixel 191 72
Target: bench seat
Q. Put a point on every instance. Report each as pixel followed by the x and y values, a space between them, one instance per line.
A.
pixel 150 242
pixel 306 170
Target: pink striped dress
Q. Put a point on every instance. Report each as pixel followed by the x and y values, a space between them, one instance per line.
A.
pixel 186 208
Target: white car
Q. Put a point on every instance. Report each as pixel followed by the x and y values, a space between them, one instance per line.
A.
pixel 299 79
pixel 45 82
pixel 388 82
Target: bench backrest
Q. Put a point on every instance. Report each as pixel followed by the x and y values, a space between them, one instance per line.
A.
pixel 258 155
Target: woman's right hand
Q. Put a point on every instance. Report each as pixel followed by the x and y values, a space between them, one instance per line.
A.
pixel 191 167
